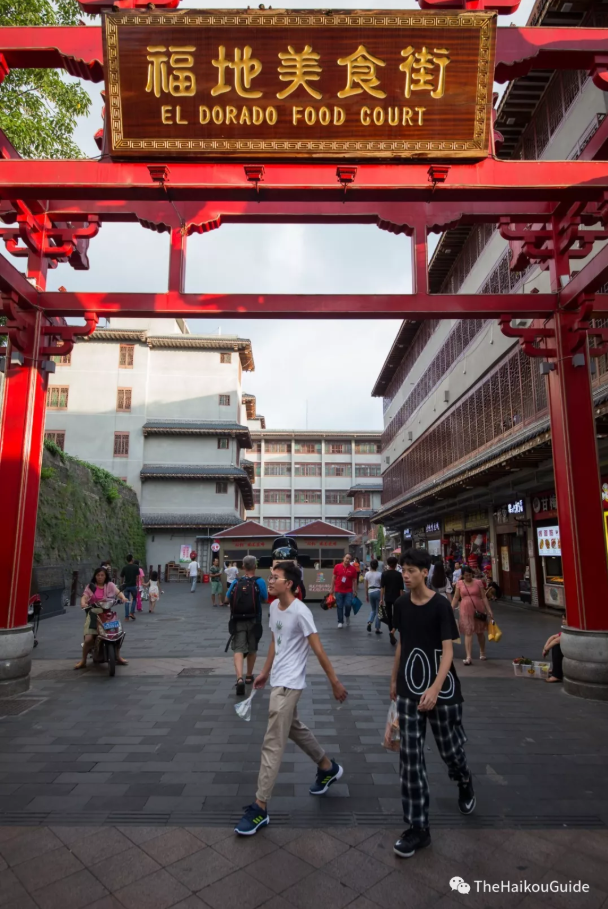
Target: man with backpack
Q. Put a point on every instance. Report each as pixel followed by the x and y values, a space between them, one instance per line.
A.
pixel 245 596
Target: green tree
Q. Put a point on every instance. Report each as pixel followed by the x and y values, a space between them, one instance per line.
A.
pixel 38 107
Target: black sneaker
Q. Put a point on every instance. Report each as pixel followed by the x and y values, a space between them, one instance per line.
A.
pixel 392 638
pixel 411 840
pixel 369 626
pixel 325 778
pixel 240 687
pixel 466 797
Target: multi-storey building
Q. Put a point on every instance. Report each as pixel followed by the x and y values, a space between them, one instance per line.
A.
pixel 466 448
pixel 163 410
pixel 303 476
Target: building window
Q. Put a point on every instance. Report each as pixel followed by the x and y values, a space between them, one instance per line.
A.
pixel 224 400
pixel 125 356
pixel 278 447
pixel 258 469
pixel 367 470
pixel 225 358
pixel 280 524
pixel 223 443
pixel 257 446
pixel 337 498
pixel 277 497
pixel 367 447
pixel 256 496
pixel 56 436
pixel 277 470
pixel 342 523
pixel 123 399
pixel 301 522
pixel 307 470
pixel 121 444
pixel 57 397
pixel 65 360
pixel 337 448
pixel 363 500
pixel 307 447
pixel 308 497
pixel 338 470
pixel 221 487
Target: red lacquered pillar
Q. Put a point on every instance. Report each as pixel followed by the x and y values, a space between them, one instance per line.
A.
pixel 577 482
pixel 21 446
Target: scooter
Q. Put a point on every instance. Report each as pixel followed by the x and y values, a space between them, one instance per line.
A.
pixel 110 636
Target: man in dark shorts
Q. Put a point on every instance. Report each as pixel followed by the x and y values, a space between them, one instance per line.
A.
pixel 391 588
pixel 425 685
pixel 246 633
pixel 130 577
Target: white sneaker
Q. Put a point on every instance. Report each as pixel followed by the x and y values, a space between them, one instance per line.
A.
pixel 339 624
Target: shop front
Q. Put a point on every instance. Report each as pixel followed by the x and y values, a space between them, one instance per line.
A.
pixel 453 537
pixel 477 539
pixel 548 550
pixel 433 538
pixel 512 541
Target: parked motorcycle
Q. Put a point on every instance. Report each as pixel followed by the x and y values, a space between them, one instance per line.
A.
pixel 110 636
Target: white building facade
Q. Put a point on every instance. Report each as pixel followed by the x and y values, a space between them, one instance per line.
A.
pixel 162 409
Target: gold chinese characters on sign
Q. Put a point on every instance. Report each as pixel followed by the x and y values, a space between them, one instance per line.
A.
pixel 204 84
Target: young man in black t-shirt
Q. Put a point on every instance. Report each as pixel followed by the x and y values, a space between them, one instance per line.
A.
pixel 391 588
pixel 424 684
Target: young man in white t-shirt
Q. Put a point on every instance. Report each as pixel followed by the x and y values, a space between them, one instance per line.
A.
pixel 193 570
pixel 293 635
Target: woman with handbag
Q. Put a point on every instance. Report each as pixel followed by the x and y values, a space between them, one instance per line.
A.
pixel 474 613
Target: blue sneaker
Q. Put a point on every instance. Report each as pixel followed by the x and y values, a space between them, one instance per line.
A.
pixel 254 818
pixel 325 778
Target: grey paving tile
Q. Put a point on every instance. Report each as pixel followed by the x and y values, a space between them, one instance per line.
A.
pixel 11 889
pixel 171 846
pixel 211 835
pixel 279 870
pixel 72 892
pixel 316 847
pixel 69 835
pixel 357 872
pixel 106 842
pixel 201 869
pixel 319 889
pixel 237 889
pixel 22 902
pixel 124 868
pixel 29 845
pixel 47 868
pixel 397 891
pixel 191 902
pixel 242 850
pixel 158 891
pixel 139 835
pixel 106 902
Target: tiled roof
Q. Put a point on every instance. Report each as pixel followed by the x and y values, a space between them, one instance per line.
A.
pixel 206 342
pixel 361 513
pixel 248 529
pixel 319 529
pixel 206 471
pixel 365 487
pixel 204 519
pixel 196 427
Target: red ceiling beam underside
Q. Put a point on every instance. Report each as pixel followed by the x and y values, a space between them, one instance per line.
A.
pixel 490 180
pixel 518 50
pixel 301 306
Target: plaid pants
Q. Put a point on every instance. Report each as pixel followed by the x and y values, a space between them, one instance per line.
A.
pixel 446 723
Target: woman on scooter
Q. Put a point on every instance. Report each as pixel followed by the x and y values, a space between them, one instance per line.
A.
pixel 100 588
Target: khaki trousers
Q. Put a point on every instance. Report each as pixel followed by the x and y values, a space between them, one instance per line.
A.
pixel 283 724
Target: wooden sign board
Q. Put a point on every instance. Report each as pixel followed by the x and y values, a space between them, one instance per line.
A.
pixel 268 85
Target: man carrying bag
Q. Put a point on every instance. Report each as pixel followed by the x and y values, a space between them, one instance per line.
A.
pixel 245 596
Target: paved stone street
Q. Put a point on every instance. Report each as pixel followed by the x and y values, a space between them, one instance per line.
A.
pixel 123 792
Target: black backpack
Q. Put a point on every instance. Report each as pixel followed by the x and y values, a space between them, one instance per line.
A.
pixel 245 600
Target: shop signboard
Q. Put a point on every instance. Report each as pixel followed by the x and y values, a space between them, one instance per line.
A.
pixel 215 547
pixel 544 505
pixel 250 544
pixel 453 523
pixel 298 83
pixel 434 528
pixel 476 519
pixel 184 553
pixel 549 543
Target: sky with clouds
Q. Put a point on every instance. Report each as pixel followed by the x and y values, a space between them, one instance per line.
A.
pixel 323 369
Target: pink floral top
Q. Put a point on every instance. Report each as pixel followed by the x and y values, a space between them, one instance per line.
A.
pixel 107 592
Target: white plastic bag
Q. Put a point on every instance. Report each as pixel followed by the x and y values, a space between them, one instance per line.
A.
pixel 392 739
pixel 243 708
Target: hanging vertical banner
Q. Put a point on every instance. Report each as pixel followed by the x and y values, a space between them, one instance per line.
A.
pixel 283 84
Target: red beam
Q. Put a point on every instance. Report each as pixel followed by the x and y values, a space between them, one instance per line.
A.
pixel 300 306
pixel 74 48
pixel 12 280
pixel 518 50
pixel 488 180
pixel 589 279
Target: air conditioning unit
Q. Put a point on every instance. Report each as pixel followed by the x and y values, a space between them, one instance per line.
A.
pixel 521 323
pixel 387 459
pixel 410 436
pixel 446 396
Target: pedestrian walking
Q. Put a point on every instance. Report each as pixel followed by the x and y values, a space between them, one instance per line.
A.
pixel 357 567
pixel 474 613
pixel 215 573
pixel 425 685
pixel 457 573
pixel 343 584
pixel 140 581
pixel 373 584
pixel 439 582
pixel 193 570
pixel 130 577
pixel 294 634
pixel 246 595
pixel 231 572
pixel 391 588
pixel 153 590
